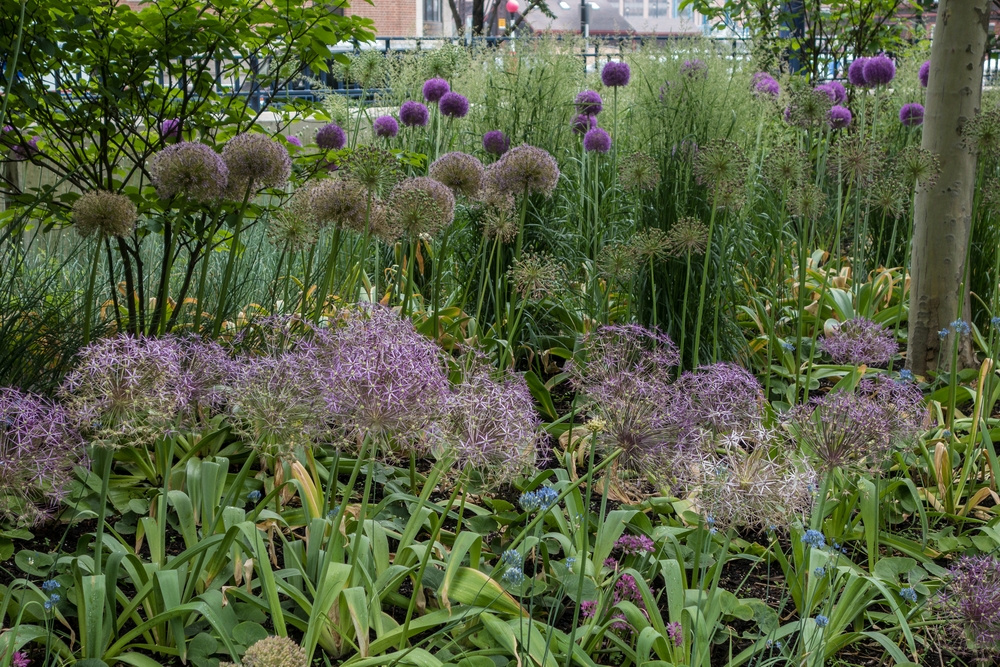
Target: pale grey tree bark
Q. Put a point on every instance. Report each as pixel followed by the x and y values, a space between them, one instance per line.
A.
pixel 942 215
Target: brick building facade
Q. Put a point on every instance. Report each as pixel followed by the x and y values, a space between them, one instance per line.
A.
pixel 406 18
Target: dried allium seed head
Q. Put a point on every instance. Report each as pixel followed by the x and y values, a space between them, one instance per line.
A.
pixel 535 276
pixel 720 162
pixel 525 170
pixel 809 107
pixel 367 69
pixel 638 172
pixel 461 172
pixel 500 218
pixel 886 194
pixel 981 135
pixel 785 168
pixel 255 161
pixel 857 160
pixel 917 167
pixel 339 201
pixel 294 226
pixel 38 451
pixel 807 201
pixel 189 169
pixel 374 168
pixel 618 261
pixel 421 206
pixel 650 243
pixel 275 652
pixel 687 235
pixel 107 213
pixel 861 341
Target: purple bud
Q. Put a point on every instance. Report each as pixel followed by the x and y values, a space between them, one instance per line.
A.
pixel 911 114
pixel 616 74
pixel 856 72
pixel 434 89
pixel 597 140
pixel 840 117
pixel 413 114
pixel 453 105
pixel 385 127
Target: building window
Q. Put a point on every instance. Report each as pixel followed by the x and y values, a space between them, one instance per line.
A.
pixel 659 8
pixel 432 11
pixel 686 13
pixel 634 8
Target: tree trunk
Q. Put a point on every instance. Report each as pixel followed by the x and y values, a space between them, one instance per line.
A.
pixel 478 16
pixel 942 215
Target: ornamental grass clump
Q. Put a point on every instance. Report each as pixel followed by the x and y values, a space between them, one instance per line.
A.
pixel 126 391
pixel 189 169
pixel 461 172
pixel 108 214
pixel 39 449
pixel 860 341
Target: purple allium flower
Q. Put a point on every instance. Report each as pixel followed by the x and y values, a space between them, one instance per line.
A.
pixel 293 140
pixel 413 114
pixel 107 213
pixel 588 608
pixel 385 127
pixel 453 105
pixel 902 404
pixel 722 398
pixel 589 103
pixel 524 170
pixel 856 72
pixel 276 402
pixel 839 117
pixel 435 89
pixel 924 73
pixel 694 69
pixel 420 206
pixel 330 137
pixel 860 341
pixel 26 150
pixel 627 590
pixel 208 368
pixel 189 169
pixel 461 172
pixel 911 114
pixel 675 632
pixel 126 390
pixel 496 142
pixel 20 659
pixel 492 424
pixel 385 379
pixel 583 124
pixel 763 83
pixel 171 129
pixel 969 604
pixel 835 90
pixel 616 74
pixel 635 544
pixel 255 161
pixel 38 450
pixel 879 70
pixel 339 201
pixel 597 140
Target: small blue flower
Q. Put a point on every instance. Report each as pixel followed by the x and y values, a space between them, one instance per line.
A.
pixel 511 558
pixel 906 375
pixel 254 496
pixel 710 520
pixel 50 585
pixel 814 538
pixel 821 620
pixel 961 327
pixel 820 571
pixel 787 347
pixel 908 594
pixel 775 644
pixel 514 576
pixel 995 321
pixel 946 433
pixel 570 561
pixel 52 601
pixel 943 334
pixel 713 531
pixel 529 501
pixel 547 497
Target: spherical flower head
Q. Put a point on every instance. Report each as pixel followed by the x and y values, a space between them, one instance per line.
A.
pixel 421 205
pixel 814 538
pixel 496 142
pixel 293 140
pixel 38 450
pixel 413 114
pixel 694 69
pixel 583 124
pixel 107 213
pixel 534 276
pixel 331 137
pixel 20 659
pixel 911 114
pixel 722 398
pixel 635 544
pixel 834 89
pixel 589 103
pixel 688 235
pixel 453 105
pixel 860 341
pixel 339 201
pixel 821 621
pixel 721 164
pixel 639 172
pixel 171 129
pixel 961 327
pixel 924 73
pixel 511 558
pixel 189 169
pixel 524 170
pixel 968 604
pixel 461 172
pixel 275 652
pixel 856 72
pixel 597 140
pixel 514 576
pixel 839 117
pixel 763 84
pixel 880 70
pixel 255 161
pixel 126 390
pixel 385 127
pixel 375 168
pixel 616 74
pixel 435 89
pixel 908 594
pixel 675 632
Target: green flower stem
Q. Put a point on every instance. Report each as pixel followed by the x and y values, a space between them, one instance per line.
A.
pixel 103 458
pixel 684 306
pixel 704 284
pixel 234 244
pixel 88 304
pixel 331 265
